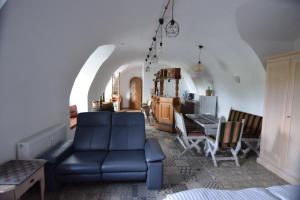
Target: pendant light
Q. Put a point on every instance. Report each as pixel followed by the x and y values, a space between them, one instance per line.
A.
pixel 199 67
pixel 154 58
pixel 172 27
pixel 147 69
pixel 161 23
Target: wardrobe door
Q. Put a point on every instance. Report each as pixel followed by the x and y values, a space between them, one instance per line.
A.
pixel 292 162
pixel 273 135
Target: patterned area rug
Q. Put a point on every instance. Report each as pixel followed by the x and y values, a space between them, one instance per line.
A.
pixel 191 170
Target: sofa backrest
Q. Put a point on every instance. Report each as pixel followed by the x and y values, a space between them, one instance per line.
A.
pixel 93 131
pixel 127 131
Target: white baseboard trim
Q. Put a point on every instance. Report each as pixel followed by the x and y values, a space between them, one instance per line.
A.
pixel 289 178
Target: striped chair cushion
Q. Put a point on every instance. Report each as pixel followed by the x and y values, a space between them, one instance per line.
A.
pixel 229 133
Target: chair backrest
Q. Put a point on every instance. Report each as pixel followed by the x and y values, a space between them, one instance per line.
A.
pixel 253 123
pixel 180 126
pixel 230 133
pixel 93 131
pixel 179 123
pixel 127 131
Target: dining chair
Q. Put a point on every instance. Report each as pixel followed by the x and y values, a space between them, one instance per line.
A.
pixel 147 110
pixel 188 136
pixel 228 138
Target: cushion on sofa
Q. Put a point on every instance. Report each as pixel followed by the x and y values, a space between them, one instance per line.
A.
pixel 82 163
pixel 128 131
pixel 124 161
pixel 93 131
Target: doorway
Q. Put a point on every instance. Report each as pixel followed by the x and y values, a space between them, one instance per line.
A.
pixel 135 101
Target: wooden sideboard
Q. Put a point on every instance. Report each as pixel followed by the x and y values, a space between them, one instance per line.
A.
pixel 163 107
pixel 163 112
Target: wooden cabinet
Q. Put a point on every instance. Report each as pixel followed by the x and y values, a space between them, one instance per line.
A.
pixel 163 112
pixel 166 111
pixel 280 140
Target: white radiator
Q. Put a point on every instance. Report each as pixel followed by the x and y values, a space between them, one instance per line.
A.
pixel 38 143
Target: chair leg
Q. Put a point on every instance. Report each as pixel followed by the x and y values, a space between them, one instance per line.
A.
pixel 195 145
pixel 184 151
pixel 213 156
pixel 245 152
pixel 234 154
pixel 212 153
pixel 206 149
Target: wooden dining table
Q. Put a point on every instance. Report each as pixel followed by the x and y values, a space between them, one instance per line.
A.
pixel 208 122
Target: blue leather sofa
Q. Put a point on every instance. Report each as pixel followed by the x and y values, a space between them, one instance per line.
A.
pixel 107 147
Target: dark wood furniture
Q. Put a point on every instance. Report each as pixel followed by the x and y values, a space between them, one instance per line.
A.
pixel 163 107
pixel 189 107
pixel 166 74
pixel 252 129
pixel 253 123
pixel 17 176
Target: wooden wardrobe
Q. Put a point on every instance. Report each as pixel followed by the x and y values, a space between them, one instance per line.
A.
pixel 280 139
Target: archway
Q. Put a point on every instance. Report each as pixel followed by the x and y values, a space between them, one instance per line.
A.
pixel 84 79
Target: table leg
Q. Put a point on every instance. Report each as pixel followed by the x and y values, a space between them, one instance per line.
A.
pixel 42 188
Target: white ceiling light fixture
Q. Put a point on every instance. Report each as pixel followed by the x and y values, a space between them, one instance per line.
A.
pixel 199 67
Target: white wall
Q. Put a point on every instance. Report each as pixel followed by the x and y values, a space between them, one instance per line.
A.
pixel 41 52
pixel 297 44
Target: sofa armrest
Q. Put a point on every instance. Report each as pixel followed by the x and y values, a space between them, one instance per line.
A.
pixel 153 151
pixel 57 153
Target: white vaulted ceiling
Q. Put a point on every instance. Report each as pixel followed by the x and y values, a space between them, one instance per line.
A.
pixel 2 2
pixel 44 44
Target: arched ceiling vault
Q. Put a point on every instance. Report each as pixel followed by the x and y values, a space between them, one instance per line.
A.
pixel 236 35
pixel 269 26
pixel 226 30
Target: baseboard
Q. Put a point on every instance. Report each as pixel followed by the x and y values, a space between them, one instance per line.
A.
pixel 287 177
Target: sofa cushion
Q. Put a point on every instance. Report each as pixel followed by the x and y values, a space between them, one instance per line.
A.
pixel 128 131
pixel 124 161
pixel 82 163
pixel 93 131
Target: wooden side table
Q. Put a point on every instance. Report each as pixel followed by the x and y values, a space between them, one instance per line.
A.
pixel 17 176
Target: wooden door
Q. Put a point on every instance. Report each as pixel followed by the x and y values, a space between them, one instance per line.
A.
pixel 274 135
pixel 135 101
pixel 292 162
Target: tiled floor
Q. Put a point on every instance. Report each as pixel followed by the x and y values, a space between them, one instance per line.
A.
pixel 180 173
